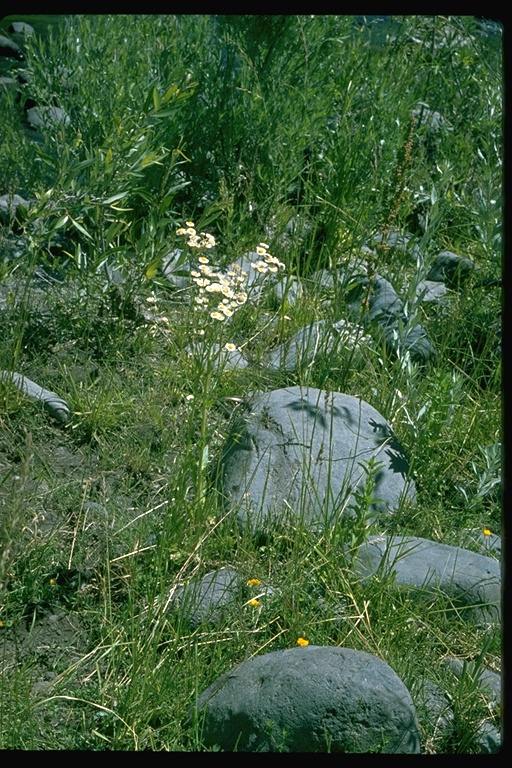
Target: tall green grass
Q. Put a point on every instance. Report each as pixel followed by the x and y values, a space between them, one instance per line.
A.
pixel 239 123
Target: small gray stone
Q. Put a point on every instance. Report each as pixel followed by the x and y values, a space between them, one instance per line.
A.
pixel 488 737
pixel 472 581
pixel 398 241
pixel 433 121
pixel 47 117
pixel 288 291
pixel 12 207
pixel 224 359
pixel 450 268
pixel 321 339
pixel 21 28
pixel 10 49
pixel 430 290
pixel 432 700
pixel 207 599
pixel 176 268
pixel 55 405
pixel 313 699
pixel 489 682
pixel 374 300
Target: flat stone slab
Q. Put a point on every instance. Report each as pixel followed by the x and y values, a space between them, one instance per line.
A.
pixel 311 699
pixel 471 580
pixel 299 456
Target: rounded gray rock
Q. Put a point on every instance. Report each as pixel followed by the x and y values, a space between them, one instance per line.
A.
pixel 472 581
pixel 207 599
pixel 299 458
pixel 312 699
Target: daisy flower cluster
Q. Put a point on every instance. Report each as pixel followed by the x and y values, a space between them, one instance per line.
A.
pixel 268 263
pixel 220 293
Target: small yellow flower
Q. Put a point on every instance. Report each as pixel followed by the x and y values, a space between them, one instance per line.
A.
pixel 253 582
pixel 1 624
pixel 260 251
pixel 53 582
pixel 254 603
pixel 181 231
pixel 302 642
pixel 486 532
pixel 200 331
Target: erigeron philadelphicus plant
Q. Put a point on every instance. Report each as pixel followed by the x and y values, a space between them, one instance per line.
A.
pixel 219 294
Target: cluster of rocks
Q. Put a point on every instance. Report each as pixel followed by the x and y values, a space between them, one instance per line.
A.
pixel 372 307
pixel 296 458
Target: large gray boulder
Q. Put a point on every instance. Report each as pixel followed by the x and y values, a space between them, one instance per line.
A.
pixel 313 699
pixel 471 580
pixel 299 457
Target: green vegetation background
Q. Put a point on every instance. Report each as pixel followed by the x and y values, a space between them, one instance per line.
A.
pixel 239 123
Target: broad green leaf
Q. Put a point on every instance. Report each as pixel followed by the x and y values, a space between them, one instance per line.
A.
pixel 156 98
pixel 113 199
pixel 169 93
pixel 152 269
pixel 80 228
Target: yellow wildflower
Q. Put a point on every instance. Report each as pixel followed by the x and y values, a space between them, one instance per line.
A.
pixel 254 603
pixel 253 582
pixel 302 642
pixel 486 532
